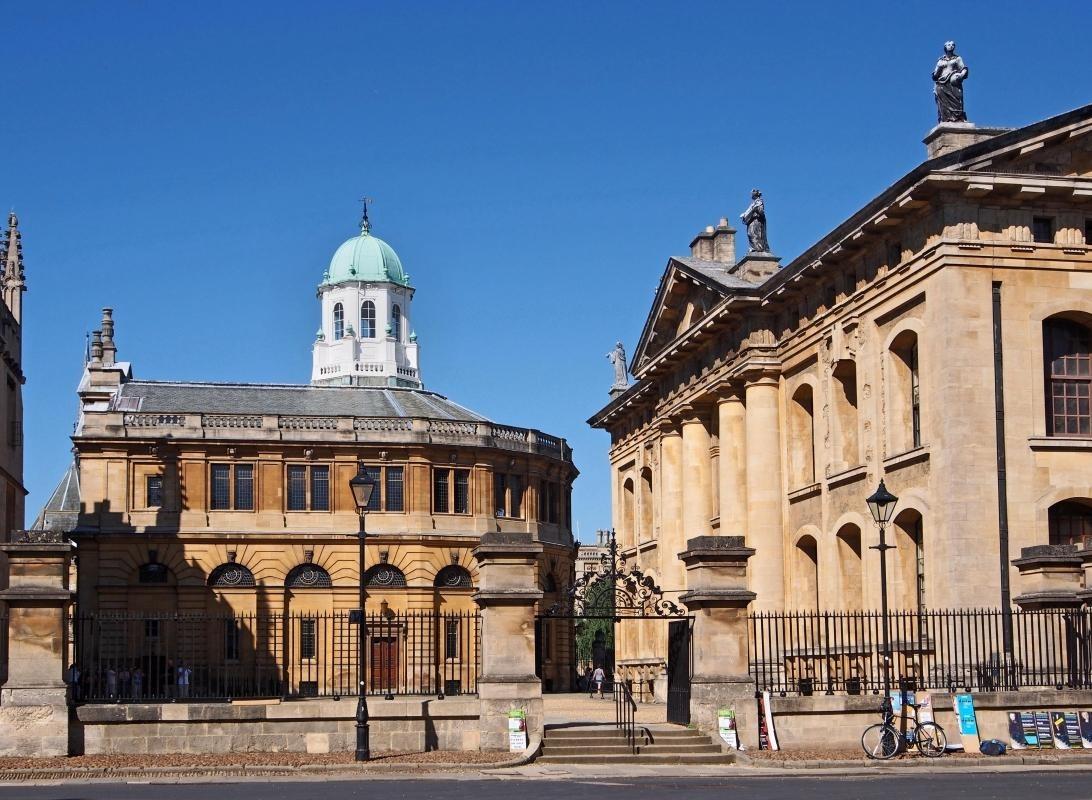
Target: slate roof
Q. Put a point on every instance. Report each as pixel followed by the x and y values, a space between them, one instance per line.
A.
pixel 61 511
pixel 167 397
pixel 715 271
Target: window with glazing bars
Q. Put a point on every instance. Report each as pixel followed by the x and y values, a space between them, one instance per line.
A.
pixel 500 495
pixel 915 396
pixel 395 496
pixel 244 487
pixel 297 487
pixel 515 496
pixel 308 638
pixel 451 639
pixel 339 321
pixel 462 491
pixel 320 488
pixel 441 502
pixel 221 487
pixel 1068 347
pixel 231 639
pixel 375 475
pixel 451 491
pixel 153 491
pixel 367 320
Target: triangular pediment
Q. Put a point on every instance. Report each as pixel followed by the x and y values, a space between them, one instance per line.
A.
pixel 689 290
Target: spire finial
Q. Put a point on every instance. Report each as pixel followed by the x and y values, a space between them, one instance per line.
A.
pixel 365 223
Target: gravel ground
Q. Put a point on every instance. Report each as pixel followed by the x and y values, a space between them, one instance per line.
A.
pixel 438 757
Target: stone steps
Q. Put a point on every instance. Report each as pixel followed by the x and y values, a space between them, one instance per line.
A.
pixel 607 745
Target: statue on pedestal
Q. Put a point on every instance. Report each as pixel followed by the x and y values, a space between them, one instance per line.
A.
pixel 755 220
pixel 948 77
pixel 617 358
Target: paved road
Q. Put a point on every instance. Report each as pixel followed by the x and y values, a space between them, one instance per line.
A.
pixel 1069 785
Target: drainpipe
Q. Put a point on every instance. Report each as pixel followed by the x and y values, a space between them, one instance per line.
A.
pixel 1008 676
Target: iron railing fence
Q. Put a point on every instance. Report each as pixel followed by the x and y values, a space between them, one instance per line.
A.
pixel 130 657
pixel 810 652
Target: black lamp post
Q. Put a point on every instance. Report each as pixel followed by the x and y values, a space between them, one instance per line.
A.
pixel 882 506
pixel 362 487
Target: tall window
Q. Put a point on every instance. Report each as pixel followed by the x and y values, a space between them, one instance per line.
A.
pixel 451 491
pixel 904 394
pixel 389 492
pixel 1067 346
pixel 308 638
pixel 308 487
pixel 508 495
pixel 806 573
pixel 1042 229
pixel 232 487
pixel 845 406
pixel 451 639
pixel 153 491
pixel 549 501
pixel 396 323
pixel 231 639
pixel 802 427
pixel 367 320
pixel 339 321
pixel 909 556
pixel 1070 522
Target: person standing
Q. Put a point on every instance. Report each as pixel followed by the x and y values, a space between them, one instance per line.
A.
pixel 184 675
pixel 138 683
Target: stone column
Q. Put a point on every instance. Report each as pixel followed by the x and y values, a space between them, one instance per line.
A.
pixel 732 477
pixel 718 597
pixel 671 505
pixel 697 474
pixel 33 701
pixel 507 597
pixel 764 492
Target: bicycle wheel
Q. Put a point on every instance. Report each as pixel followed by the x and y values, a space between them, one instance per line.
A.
pixel 880 741
pixel 931 740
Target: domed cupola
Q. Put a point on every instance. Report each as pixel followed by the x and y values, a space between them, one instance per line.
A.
pixel 366 338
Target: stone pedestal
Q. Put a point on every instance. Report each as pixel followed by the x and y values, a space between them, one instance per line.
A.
pixel 33 701
pixel 717 596
pixel 507 597
pixel 1051 575
pixel 949 136
pixel 757 267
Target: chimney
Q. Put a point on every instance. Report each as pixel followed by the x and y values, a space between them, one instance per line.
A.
pixel 109 349
pixel 716 244
pixel 96 347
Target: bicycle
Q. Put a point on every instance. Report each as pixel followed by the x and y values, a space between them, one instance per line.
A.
pixel 883 740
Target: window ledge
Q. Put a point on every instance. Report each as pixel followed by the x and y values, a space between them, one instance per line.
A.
pixel 1060 442
pixel 804 492
pixel 850 475
pixel 900 460
pixel 646 546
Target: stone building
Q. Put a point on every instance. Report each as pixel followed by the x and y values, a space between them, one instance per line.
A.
pixel 12 286
pixel 940 338
pixel 234 499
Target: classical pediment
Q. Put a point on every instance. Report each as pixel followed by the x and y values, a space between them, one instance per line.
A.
pixel 1060 147
pixel 689 290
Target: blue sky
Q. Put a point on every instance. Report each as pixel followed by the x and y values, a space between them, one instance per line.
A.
pixel 195 166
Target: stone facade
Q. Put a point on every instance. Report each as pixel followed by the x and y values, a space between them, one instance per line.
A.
pixel 769 406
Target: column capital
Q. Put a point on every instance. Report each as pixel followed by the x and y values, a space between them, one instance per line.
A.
pixel 669 426
pixel 728 391
pixel 693 412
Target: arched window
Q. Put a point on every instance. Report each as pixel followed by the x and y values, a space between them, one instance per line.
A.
pixel 1067 346
pixel 909 572
pixel 806 573
pixel 384 576
pixel 845 407
pixel 231 576
pixel 646 504
pixel 904 395
pixel 849 563
pixel 308 576
pixel 627 513
pixel 153 572
pixel 339 321
pixel 396 323
pixel 1071 522
pixel 367 320
pixel 802 431
pixel 453 577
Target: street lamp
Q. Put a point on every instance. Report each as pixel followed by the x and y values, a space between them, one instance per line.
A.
pixel 882 507
pixel 362 487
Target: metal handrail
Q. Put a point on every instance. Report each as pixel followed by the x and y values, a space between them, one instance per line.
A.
pixel 625 713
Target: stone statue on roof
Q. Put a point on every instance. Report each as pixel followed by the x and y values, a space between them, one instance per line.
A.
pixel 755 220
pixel 617 358
pixel 948 77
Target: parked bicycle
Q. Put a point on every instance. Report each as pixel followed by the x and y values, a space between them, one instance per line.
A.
pixel 883 740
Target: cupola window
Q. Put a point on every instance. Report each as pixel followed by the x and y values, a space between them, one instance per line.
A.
pixel 396 323
pixel 367 320
pixel 339 321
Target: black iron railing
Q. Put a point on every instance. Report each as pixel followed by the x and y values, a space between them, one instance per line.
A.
pixel 625 713
pixel 812 652
pixel 171 657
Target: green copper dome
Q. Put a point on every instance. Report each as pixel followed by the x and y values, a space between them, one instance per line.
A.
pixel 365 258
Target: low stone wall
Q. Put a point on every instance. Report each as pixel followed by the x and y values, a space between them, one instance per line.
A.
pixel 311 726
pixel 839 721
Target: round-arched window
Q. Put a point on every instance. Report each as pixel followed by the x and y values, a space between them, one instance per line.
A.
pixel 231 576
pixel 396 323
pixel 308 576
pixel 453 577
pixel 367 320
pixel 339 321
pixel 384 576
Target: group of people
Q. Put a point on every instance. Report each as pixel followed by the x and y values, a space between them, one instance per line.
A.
pixel 123 682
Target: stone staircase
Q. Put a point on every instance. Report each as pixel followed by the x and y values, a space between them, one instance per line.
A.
pixel 605 744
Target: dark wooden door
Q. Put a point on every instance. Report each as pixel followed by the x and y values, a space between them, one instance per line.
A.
pixel 678 672
pixel 384 664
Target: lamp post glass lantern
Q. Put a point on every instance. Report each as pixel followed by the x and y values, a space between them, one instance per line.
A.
pixel 882 507
pixel 362 487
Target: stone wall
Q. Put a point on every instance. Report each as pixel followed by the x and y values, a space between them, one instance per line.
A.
pixel 311 726
pixel 833 721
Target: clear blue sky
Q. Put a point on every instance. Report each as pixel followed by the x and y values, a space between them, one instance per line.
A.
pixel 195 165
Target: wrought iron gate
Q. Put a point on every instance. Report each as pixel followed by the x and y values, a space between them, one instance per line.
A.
pixel 679 660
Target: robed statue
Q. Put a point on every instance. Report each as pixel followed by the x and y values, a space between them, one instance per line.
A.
pixel 755 220
pixel 948 77
pixel 617 358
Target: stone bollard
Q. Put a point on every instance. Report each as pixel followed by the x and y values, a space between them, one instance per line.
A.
pixel 1050 576
pixel 507 596
pixel 717 596
pixel 33 701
